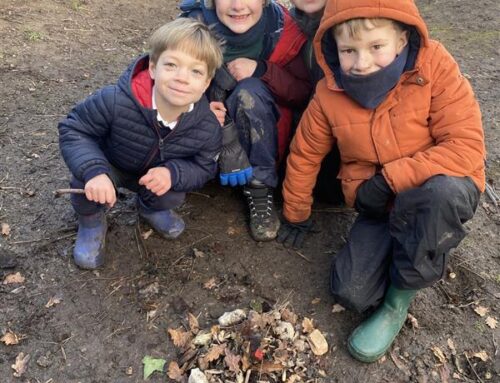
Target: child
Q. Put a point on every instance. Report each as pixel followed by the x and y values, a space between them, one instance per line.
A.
pixel 307 14
pixel 153 133
pixel 412 159
pixel 263 77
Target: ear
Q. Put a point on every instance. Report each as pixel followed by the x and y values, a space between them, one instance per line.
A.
pixel 152 69
pixel 402 41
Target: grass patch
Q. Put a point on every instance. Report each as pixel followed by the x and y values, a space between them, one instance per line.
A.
pixel 31 35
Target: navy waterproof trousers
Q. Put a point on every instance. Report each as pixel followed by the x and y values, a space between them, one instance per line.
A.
pixel 409 247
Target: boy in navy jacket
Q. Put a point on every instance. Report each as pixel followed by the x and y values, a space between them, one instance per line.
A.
pixel 153 133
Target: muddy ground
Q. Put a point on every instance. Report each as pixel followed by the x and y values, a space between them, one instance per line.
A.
pixel 54 53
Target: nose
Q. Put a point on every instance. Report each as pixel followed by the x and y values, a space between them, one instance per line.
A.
pixel 363 62
pixel 237 4
pixel 182 74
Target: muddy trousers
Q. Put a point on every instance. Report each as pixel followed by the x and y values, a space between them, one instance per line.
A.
pixel 255 113
pixel 169 200
pixel 409 247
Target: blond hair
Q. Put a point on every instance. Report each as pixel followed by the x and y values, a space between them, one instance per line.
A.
pixel 353 27
pixel 189 36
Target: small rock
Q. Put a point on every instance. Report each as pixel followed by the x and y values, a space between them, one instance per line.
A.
pixel 284 330
pixel 44 361
pixel 232 317
pixel 318 343
pixel 152 289
pixel 129 371
pixel 197 376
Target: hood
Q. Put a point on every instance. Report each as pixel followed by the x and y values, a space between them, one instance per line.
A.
pixel 338 11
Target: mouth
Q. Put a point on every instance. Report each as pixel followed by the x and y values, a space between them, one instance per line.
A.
pixel 239 18
pixel 180 91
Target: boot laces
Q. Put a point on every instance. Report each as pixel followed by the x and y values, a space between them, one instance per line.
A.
pixel 260 202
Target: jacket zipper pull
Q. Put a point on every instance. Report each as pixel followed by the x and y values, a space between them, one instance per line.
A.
pixel 160 145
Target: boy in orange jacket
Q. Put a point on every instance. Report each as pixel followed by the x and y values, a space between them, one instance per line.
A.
pixel 409 132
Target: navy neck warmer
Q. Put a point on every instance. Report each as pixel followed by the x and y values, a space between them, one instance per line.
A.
pixel 369 91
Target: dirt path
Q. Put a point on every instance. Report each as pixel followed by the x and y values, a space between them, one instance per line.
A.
pixel 54 53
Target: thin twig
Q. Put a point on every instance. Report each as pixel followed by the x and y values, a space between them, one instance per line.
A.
pixel 490 192
pixel 472 368
pixel 299 254
pixel 60 192
pixel 200 194
pixel 49 240
pixel 472 271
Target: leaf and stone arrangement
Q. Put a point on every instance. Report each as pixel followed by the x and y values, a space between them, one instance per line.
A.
pixel 249 347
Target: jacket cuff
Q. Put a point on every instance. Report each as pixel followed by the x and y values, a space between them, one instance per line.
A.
pixel 261 69
pixel 174 175
pixel 94 172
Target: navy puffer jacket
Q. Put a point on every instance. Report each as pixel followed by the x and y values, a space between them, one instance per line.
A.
pixel 113 127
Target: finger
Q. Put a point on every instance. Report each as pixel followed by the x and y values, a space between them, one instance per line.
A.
pixel 242 180
pixel 299 240
pixel 223 179
pixel 248 173
pixel 290 240
pixel 233 180
pixel 282 234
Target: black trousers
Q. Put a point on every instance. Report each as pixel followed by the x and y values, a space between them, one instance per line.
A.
pixel 409 247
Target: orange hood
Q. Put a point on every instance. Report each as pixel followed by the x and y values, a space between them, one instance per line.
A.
pixel 338 11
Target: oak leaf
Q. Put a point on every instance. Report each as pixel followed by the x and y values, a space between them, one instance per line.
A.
pixel 10 338
pixel 175 372
pixel 215 352
pixel 307 325
pixel 13 278
pixel 179 337
pixel 194 326
pixel 481 311
pixel 491 322
pixel 232 361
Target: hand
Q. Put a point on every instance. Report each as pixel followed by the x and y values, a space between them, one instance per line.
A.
pixel 234 166
pixel 100 189
pixel 242 68
pixel 219 110
pixel 157 180
pixel 373 196
pixel 293 233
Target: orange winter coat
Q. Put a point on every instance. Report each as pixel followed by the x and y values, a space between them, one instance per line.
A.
pixel 428 124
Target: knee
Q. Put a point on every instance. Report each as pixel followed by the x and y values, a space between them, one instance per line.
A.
pixel 250 93
pixel 442 189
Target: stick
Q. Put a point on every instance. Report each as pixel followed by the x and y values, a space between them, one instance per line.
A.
pixel 472 368
pixel 492 194
pixel 59 192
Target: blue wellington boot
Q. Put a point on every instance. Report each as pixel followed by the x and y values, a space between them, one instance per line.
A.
pixel 166 222
pixel 372 338
pixel 90 241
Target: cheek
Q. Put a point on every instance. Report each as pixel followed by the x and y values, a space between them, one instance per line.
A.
pixel 385 58
pixel 345 63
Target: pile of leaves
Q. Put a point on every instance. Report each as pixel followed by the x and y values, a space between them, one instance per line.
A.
pixel 246 348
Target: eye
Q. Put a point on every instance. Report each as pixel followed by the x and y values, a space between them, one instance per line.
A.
pixel 170 64
pixel 198 72
pixel 347 51
pixel 377 46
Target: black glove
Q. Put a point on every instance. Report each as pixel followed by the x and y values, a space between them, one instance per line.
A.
pixel 373 196
pixel 293 233
pixel 235 169
pixel 222 83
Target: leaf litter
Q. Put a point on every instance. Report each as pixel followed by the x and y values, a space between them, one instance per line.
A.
pixel 248 347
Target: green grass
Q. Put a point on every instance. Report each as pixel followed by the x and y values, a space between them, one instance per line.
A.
pixel 31 35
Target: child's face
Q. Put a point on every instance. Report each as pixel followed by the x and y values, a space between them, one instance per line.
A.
pixel 180 79
pixel 370 51
pixel 239 15
pixel 309 7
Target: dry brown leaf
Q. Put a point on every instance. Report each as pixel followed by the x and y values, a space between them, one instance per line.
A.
pixel 194 326
pixel 198 253
pixel 147 234
pixel 21 364
pixel 215 352
pixel 232 361
pixel 289 316
pixel 491 322
pixel 337 308
pixel 399 363
pixel 438 353
pixel 180 338
pixel 5 229
pixel 318 343
pixel 175 372
pixel 413 321
pixel 210 284
pixel 10 338
pixel 268 367
pixel 13 278
pixel 315 301
pixel 451 345
pixel 481 355
pixel 481 311
pixel 53 301
pixel 307 326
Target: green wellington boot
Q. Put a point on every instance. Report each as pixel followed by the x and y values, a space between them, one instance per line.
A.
pixel 372 338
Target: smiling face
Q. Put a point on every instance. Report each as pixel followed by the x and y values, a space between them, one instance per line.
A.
pixel 239 15
pixel 309 7
pixel 372 48
pixel 180 80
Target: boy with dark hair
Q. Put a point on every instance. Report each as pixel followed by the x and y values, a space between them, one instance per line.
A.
pixel 153 132
pixel 411 142
pixel 253 94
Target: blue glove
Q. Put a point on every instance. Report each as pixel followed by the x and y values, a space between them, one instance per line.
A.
pixel 235 169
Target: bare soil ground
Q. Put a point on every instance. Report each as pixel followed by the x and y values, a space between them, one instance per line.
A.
pixel 54 53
